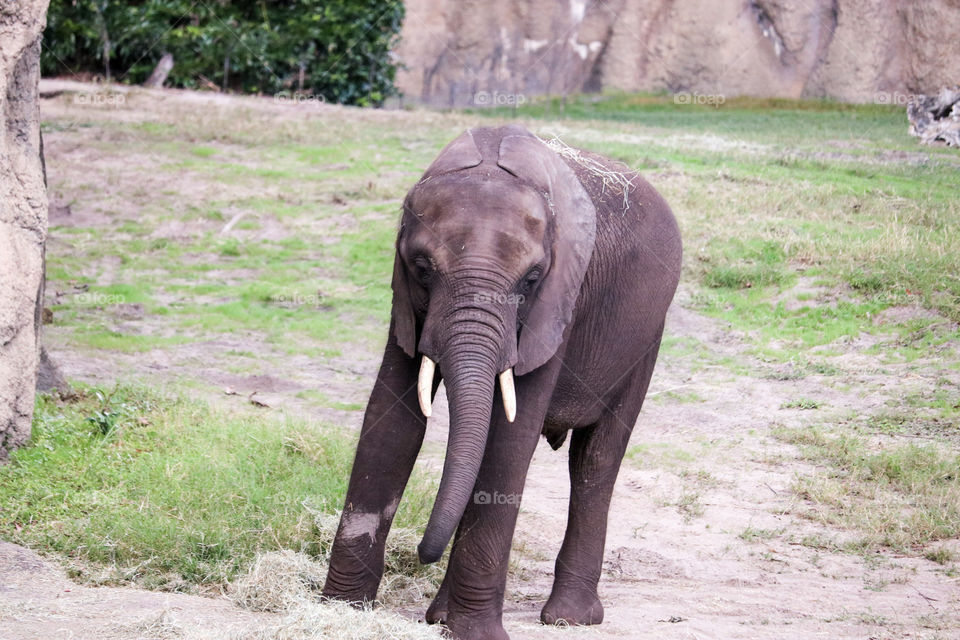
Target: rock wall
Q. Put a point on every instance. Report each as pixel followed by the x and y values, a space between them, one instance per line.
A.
pixel 23 217
pixel 477 52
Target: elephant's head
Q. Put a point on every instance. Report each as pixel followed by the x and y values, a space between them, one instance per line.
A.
pixel 493 246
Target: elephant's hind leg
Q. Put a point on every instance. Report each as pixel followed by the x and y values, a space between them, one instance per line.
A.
pixel 593 451
pixel 595 455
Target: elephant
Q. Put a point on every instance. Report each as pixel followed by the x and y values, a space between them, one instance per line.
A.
pixel 534 280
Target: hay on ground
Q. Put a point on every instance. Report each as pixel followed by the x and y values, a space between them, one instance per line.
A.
pixel 405 581
pixel 340 621
pixel 289 583
pixel 279 580
pixel 161 627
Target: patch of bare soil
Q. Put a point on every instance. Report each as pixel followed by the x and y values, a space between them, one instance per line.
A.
pixel 38 602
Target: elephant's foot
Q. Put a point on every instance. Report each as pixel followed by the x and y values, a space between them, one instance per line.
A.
pixel 437 611
pixel 573 607
pixel 468 628
pixel 350 588
pixel 356 598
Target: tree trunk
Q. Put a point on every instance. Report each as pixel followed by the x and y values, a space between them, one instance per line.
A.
pixel 160 72
pixel 23 217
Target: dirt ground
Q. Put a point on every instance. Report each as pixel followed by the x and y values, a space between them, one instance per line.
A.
pixel 680 561
pixel 40 602
pixel 667 574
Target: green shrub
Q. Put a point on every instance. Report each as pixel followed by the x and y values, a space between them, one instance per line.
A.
pixel 338 51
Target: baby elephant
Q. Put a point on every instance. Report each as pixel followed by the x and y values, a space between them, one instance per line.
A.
pixel 534 279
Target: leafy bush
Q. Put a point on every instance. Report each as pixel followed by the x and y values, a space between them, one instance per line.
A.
pixel 336 50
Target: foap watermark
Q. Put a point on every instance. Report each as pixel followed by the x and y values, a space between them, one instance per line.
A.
pixel 708 99
pixel 96 298
pixel 485 497
pixel 100 99
pixel 298 98
pixel 499 298
pixel 498 99
pixel 297 299
pixel 896 98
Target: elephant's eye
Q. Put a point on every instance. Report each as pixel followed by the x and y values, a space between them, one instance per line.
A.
pixel 423 269
pixel 531 279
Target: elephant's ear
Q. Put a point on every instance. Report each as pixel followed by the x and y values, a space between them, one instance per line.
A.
pixel 404 322
pixel 462 153
pixel 575 228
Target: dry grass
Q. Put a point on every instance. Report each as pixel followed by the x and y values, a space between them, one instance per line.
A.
pixel 312 621
pixel 289 583
pixel 405 581
pixel 901 496
pixel 616 181
pixel 301 619
pixel 278 581
pixel 162 627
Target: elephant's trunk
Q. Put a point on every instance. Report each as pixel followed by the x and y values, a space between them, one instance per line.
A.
pixel 469 367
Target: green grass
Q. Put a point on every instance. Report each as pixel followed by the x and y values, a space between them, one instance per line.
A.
pixel 106 339
pixel 770 193
pixel 795 123
pixel 336 225
pixel 203 152
pixel 903 496
pixel 169 493
pixel 940 555
pixel 657 455
pixel 746 264
pixel 753 534
pixel 801 403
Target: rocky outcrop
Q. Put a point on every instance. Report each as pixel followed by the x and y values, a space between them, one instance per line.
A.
pixel 477 52
pixel 23 217
pixel 465 52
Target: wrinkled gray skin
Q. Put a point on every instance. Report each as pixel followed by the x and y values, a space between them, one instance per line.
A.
pixel 510 255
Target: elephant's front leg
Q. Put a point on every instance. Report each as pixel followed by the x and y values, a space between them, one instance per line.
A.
pixel 392 433
pixel 477 574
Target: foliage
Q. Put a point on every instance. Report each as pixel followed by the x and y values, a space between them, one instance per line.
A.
pixel 337 51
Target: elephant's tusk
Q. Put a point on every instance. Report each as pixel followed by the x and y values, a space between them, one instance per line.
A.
pixel 509 394
pixel 425 385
